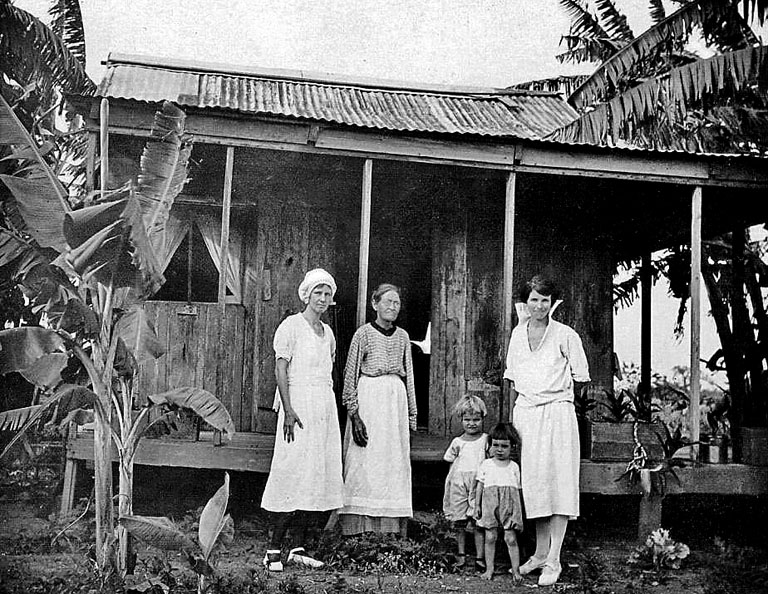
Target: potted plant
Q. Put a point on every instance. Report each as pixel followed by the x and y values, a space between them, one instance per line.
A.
pixel 624 412
pixel 713 447
pixel 584 403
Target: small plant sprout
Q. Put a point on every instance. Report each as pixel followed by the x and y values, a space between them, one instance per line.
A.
pixel 659 551
pixel 215 531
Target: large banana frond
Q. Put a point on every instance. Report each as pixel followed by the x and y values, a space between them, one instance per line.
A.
pixel 31 53
pixel 674 29
pixel 202 402
pixel 213 519
pixel 614 22
pixel 657 11
pixel 15 419
pixel 157 532
pixel 583 23
pixel 109 242
pixel 40 198
pixel 67 23
pixel 558 84
pixel 163 168
pixel 668 96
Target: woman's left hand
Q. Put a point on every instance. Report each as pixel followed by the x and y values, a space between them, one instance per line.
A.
pixel 291 419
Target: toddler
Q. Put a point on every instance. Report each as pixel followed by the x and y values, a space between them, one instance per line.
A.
pixel 465 454
pixel 498 497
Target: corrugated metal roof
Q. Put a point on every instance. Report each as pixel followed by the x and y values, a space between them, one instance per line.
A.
pixel 367 104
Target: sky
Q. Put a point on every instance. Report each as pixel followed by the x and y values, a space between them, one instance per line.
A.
pixel 486 43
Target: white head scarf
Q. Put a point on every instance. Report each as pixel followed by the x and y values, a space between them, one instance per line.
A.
pixel 312 279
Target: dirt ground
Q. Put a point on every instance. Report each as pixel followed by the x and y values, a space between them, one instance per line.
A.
pixel 726 535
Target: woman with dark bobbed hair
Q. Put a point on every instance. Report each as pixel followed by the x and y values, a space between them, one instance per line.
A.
pixel 545 361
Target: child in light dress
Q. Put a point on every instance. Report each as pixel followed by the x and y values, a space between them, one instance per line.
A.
pixel 497 501
pixel 465 454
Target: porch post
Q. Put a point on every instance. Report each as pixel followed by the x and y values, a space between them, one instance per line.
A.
pixel 223 265
pixel 365 240
pixel 104 145
pixel 693 407
pixel 225 208
pixel 646 322
pixel 508 297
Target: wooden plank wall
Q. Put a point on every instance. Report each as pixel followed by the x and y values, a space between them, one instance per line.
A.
pixel 191 353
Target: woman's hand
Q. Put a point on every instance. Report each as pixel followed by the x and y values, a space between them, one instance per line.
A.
pixel 359 431
pixel 291 419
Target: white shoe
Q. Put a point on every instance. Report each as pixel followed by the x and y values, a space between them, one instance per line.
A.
pixel 532 565
pixel 550 573
pixel 299 556
pixel 272 560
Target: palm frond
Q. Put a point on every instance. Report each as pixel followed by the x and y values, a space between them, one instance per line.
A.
pixel 614 22
pixel 656 10
pixel 67 23
pixel 583 23
pixel 558 84
pixel 580 50
pixel 674 29
pixel 15 419
pixel 31 53
pixel 669 96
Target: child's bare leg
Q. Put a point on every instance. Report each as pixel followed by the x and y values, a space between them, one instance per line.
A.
pixel 461 545
pixel 479 546
pixel 490 553
pixel 514 554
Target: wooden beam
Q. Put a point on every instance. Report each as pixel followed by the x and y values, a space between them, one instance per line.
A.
pixel 693 407
pixel 253 452
pixel 646 322
pixel 90 162
pixel 508 292
pixel 365 240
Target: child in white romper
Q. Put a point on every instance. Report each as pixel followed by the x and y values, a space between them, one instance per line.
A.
pixel 465 454
pixel 498 498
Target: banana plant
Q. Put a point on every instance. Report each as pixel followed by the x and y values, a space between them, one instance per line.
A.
pixel 215 530
pixel 90 271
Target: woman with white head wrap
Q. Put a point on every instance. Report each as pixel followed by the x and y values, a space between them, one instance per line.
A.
pixel 306 466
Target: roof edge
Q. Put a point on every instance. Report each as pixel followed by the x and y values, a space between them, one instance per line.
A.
pixel 313 77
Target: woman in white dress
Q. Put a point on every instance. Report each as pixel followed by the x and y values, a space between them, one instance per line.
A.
pixel 544 361
pixel 380 398
pixel 306 474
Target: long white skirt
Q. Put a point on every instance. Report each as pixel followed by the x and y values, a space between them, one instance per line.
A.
pixel 306 473
pixel 549 468
pixel 377 478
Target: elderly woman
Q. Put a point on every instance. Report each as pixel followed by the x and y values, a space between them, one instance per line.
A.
pixel 544 361
pixel 381 402
pixel 306 471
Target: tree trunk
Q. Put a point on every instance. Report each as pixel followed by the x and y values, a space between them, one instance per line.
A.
pixel 733 361
pixel 125 562
pixel 102 460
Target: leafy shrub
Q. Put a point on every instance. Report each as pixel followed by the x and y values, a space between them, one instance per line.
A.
pixel 660 551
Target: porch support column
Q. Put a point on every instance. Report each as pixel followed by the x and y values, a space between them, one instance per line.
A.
pixel 645 322
pixel 226 205
pixel 693 408
pixel 104 145
pixel 365 241
pixel 508 298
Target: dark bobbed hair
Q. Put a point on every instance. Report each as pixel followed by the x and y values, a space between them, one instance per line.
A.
pixel 505 431
pixel 384 288
pixel 541 285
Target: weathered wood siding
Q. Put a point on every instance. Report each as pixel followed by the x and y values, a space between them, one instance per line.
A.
pixel 191 357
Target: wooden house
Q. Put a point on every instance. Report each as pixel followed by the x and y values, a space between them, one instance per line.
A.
pixel 452 193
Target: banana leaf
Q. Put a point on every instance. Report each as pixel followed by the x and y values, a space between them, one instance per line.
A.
pixel 205 404
pixel 136 331
pixel 214 519
pixel 158 532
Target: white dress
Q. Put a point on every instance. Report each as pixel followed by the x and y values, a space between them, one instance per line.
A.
pixel 306 473
pixel 545 418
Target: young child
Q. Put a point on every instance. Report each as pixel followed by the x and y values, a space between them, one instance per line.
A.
pixel 498 497
pixel 465 454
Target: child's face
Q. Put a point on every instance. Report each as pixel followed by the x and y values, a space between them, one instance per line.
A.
pixel 501 449
pixel 472 423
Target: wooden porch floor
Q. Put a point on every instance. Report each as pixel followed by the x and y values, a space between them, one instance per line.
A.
pixel 252 452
